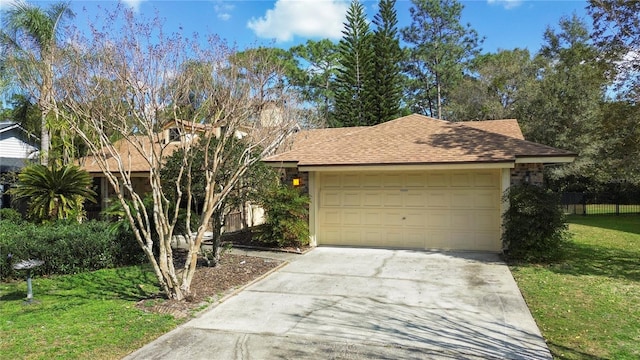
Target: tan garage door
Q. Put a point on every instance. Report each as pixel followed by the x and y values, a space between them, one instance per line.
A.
pixel 458 210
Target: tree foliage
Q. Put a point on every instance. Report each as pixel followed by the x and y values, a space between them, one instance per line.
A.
pixel 287 217
pixel 131 80
pixel 442 49
pixel 316 79
pixel 54 192
pixel 534 226
pixel 386 78
pixel 352 97
pixel 33 52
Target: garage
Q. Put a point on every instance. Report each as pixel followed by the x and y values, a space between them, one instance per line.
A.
pixel 414 182
pixel 453 210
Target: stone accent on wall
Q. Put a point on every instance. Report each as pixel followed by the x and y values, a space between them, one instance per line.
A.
pixel 534 172
pixel 292 173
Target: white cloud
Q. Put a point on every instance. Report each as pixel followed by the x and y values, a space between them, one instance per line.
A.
pixel 223 10
pixel 304 18
pixel 134 4
pixel 508 4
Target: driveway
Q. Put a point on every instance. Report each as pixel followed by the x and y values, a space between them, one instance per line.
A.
pixel 346 303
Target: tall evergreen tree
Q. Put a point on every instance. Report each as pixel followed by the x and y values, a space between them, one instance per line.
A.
pixel 31 40
pixel 442 48
pixel 386 78
pixel 352 106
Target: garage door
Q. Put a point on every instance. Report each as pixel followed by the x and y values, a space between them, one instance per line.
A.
pixel 455 210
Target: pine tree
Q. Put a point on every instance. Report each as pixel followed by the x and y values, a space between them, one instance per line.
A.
pixel 352 106
pixel 386 79
pixel 442 49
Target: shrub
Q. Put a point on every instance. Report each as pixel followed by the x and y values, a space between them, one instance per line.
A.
pixel 66 248
pixel 10 215
pixel 534 224
pixel 286 210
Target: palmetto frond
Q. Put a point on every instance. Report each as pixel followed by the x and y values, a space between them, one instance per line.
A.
pixel 54 193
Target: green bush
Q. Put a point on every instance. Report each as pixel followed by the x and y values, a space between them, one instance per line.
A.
pixel 534 224
pixel 10 215
pixel 287 213
pixel 66 248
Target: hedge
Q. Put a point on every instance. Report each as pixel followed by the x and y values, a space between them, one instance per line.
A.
pixel 65 248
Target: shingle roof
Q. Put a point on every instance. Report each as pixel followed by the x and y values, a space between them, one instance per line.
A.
pixel 416 139
pixel 132 159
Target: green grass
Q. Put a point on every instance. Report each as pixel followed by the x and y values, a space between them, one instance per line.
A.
pixel 588 306
pixel 85 316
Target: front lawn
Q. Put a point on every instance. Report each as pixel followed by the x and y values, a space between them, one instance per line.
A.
pixel 587 306
pixel 85 316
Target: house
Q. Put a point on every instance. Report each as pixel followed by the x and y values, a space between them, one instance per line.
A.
pixel 17 148
pixel 168 140
pixel 414 182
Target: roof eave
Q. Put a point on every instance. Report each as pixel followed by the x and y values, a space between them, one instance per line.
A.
pixel 546 159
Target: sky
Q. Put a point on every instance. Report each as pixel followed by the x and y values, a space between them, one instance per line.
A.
pixel 504 24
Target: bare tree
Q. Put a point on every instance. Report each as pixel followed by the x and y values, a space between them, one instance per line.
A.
pixel 129 84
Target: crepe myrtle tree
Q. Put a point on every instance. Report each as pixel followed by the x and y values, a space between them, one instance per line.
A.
pixel 129 84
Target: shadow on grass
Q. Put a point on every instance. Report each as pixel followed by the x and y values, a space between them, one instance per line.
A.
pixel 625 223
pixel 599 261
pixel 564 353
pixel 131 284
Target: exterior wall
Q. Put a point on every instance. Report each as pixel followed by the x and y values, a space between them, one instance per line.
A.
pixel 292 173
pixel 534 172
pixel 12 146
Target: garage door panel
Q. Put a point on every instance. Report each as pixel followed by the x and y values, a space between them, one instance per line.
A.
pixel 438 199
pixel 486 199
pixel 438 179
pixel 330 199
pixel 372 218
pixel 455 210
pixel 372 180
pixel 351 181
pixel 392 199
pixel 415 199
pixel 438 220
pixel 330 217
pixel 415 180
pixel 485 180
pixel 351 199
pixel 462 199
pixel 461 179
pixel 351 218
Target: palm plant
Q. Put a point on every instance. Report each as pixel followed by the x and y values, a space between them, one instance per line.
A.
pixel 30 38
pixel 54 192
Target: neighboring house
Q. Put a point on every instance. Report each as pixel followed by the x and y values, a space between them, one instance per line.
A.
pixel 17 148
pixel 414 182
pixel 169 140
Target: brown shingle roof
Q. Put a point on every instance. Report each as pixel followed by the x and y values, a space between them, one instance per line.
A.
pixel 417 139
pixel 132 159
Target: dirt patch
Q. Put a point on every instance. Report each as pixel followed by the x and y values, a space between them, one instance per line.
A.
pixel 212 283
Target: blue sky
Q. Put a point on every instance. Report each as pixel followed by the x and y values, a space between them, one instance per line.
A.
pixel 505 24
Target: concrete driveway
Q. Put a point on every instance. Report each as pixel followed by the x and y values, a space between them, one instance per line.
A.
pixel 346 303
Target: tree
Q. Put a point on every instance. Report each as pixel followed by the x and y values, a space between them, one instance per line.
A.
pixel 497 84
pixel 616 30
pixel 55 192
pixel 386 80
pixel 564 109
pixel 442 48
pixel 316 80
pixel 31 42
pixel 133 82
pixel 352 106
pixel 258 179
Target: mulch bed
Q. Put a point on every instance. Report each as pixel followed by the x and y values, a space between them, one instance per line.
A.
pixel 212 283
pixel 244 239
